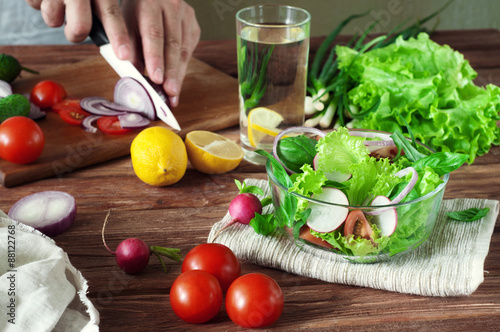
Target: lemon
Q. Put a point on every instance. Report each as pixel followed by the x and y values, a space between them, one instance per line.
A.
pixel 212 153
pixel 262 121
pixel 159 156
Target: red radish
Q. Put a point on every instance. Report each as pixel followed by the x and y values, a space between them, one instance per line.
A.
pixel 387 218
pixel 242 209
pixel 326 218
pixel 357 225
pixel 132 254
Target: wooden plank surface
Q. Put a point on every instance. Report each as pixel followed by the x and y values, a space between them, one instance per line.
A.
pixel 181 216
pixel 209 102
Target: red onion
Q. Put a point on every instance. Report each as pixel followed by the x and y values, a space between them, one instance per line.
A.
pixel 386 139
pixel 133 121
pixel 132 94
pixel 409 187
pixel 35 112
pixel 50 212
pixel 95 106
pixel 5 89
pixel 87 123
pixel 290 130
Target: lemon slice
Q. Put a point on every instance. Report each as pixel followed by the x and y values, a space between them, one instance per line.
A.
pixel 262 122
pixel 212 153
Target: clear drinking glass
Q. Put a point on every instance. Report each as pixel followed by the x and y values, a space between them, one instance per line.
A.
pixel 273 50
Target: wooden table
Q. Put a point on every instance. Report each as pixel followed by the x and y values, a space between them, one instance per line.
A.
pixel 181 216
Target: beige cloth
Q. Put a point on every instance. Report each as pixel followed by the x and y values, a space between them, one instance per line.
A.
pixel 449 263
pixel 48 292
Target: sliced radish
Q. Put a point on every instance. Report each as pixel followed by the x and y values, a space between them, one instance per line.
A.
pixel 387 218
pixel 326 218
pixel 336 176
pixel 50 212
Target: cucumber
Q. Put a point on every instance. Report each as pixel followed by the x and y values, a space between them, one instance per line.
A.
pixel 10 68
pixel 14 105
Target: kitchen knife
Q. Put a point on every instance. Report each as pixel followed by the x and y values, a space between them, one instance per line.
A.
pixel 126 68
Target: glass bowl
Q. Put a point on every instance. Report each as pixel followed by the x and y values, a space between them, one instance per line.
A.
pixel 415 221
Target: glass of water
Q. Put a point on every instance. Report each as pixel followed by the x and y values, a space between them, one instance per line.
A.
pixel 273 50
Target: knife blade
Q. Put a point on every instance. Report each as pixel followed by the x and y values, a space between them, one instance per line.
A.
pixel 125 68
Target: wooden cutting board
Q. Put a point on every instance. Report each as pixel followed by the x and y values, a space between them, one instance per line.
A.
pixel 208 101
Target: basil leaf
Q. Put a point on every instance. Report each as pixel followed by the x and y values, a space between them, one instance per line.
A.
pixel 297 151
pixel 263 224
pixel 471 214
pixel 442 162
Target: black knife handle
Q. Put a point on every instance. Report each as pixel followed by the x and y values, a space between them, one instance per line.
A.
pixel 97 33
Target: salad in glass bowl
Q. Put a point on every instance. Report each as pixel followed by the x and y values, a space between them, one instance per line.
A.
pixel 364 195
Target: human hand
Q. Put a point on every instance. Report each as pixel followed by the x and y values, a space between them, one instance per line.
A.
pixel 164 34
pixel 77 17
pixel 161 38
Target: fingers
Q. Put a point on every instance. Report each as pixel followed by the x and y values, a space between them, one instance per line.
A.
pixel 183 34
pixel 110 13
pixel 34 3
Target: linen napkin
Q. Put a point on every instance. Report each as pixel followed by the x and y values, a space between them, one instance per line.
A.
pixel 39 288
pixel 449 263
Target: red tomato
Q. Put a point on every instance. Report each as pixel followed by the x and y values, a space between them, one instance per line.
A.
pixel 111 125
pixel 254 300
pixel 66 104
pixel 73 116
pixel 47 93
pixel 196 296
pixel 21 140
pixel 357 225
pixel 216 259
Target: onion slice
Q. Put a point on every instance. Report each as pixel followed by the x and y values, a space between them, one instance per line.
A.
pixel 95 106
pixel 5 89
pixel 35 112
pixel 87 123
pixel 409 187
pixel 50 212
pixel 386 140
pixel 133 121
pixel 130 93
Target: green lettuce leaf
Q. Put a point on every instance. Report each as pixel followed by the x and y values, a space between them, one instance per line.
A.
pixel 432 87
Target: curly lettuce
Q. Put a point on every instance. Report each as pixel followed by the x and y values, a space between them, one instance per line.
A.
pixel 431 87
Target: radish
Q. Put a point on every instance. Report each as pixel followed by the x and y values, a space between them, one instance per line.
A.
pixel 326 218
pixel 132 254
pixel 386 219
pixel 242 209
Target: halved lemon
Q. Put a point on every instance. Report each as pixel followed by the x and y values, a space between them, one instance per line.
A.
pixel 262 121
pixel 212 153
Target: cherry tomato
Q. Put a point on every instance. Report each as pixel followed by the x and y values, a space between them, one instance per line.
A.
pixel 111 125
pixel 254 300
pixel 216 259
pixel 73 116
pixel 66 104
pixel 196 296
pixel 21 140
pixel 47 93
pixel 357 225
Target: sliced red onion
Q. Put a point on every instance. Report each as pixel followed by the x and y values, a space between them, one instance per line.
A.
pixel 290 130
pixel 130 93
pixel 133 121
pixel 35 112
pixel 95 105
pixel 409 187
pixel 50 212
pixel 386 139
pixel 158 88
pixel 5 89
pixel 87 123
